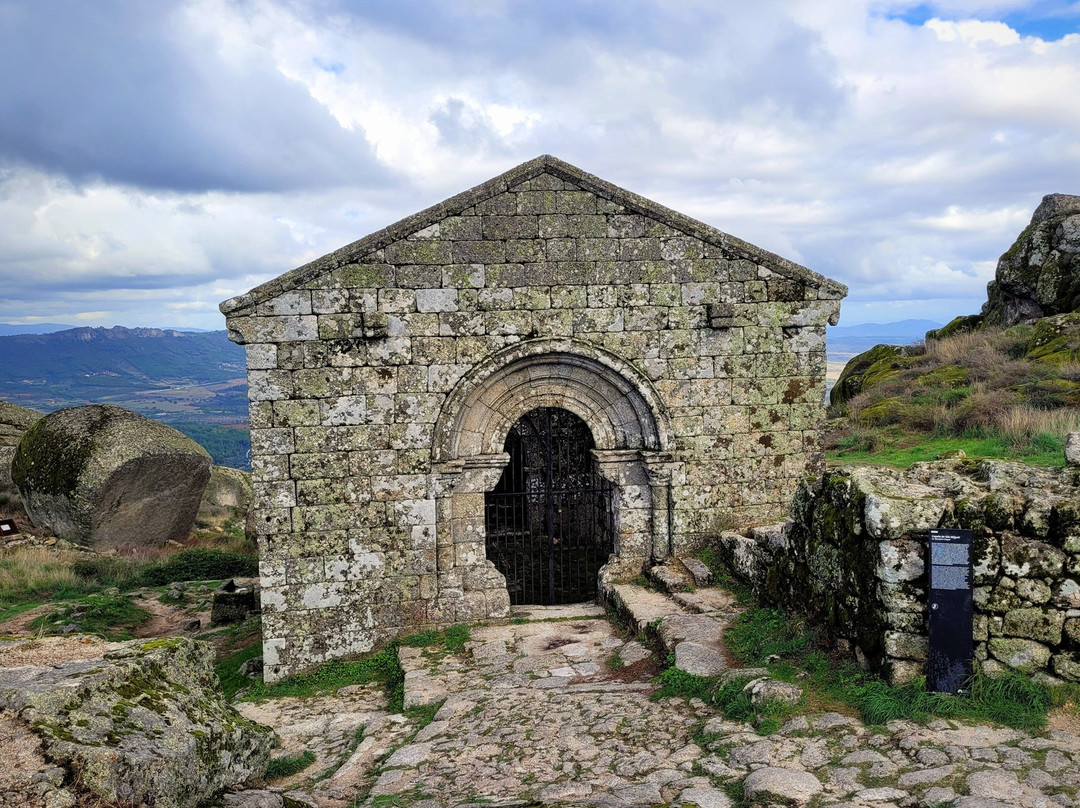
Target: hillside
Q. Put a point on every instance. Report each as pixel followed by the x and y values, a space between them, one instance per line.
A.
pixel 1002 383
pixel 194 381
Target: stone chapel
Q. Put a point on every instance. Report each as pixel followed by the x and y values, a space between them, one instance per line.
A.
pixel 538 386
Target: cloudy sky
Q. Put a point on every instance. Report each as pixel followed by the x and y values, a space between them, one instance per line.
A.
pixel 159 157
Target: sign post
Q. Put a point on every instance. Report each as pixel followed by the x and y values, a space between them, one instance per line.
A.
pixel 951 611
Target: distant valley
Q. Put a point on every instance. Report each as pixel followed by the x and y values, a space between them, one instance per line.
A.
pixel 194 381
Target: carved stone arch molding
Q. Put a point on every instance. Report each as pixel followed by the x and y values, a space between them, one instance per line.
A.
pixel 632 435
pixel 617 401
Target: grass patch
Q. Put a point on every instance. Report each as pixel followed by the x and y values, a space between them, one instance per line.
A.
pixel 286 766
pixel 792 652
pixel 381 668
pixel 111 616
pixel 1011 699
pixel 35 575
pixel 891 447
pixel 730 697
pixel 228 669
pixel 760 636
pixel 786 646
pixel 423 714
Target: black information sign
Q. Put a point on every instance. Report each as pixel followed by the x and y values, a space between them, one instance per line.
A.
pixel 8 528
pixel 951 616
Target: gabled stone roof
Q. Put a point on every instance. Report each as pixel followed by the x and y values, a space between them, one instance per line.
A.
pixel 504 182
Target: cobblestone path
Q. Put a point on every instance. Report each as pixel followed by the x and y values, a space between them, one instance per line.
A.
pixel 543 712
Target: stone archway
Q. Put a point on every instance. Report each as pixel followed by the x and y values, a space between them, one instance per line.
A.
pixel 632 437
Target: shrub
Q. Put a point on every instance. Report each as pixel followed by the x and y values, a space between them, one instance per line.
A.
pixel 200 565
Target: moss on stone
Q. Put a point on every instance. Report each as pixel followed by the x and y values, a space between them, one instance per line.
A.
pixel 958 325
pixel 49 461
pixel 870 369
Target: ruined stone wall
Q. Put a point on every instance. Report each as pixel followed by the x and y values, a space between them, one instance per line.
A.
pixel 701 375
pixel 854 555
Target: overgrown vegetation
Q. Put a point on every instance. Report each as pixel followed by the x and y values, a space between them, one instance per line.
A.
pixel 228 669
pixel 112 616
pixel 31 575
pixel 793 652
pixel 200 564
pixel 990 393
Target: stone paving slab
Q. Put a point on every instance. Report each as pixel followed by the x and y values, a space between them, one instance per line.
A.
pixel 538 713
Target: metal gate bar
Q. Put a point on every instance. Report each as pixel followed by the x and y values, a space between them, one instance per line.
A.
pixel 550 523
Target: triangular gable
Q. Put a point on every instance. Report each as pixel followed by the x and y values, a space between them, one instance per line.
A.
pixel 733 247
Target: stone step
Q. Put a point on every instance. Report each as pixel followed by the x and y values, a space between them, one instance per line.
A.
pixel 671 576
pixel 707 600
pixel 701 573
pixel 697 641
pixel 641 607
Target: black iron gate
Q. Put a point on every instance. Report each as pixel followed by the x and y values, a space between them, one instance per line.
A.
pixel 550 521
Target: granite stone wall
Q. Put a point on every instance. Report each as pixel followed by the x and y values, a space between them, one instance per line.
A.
pixel 854 553
pixel 383 379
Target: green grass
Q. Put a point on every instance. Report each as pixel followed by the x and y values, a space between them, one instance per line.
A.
pixel 228 669
pixel 287 766
pixel 423 714
pixel 792 652
pixel 902 451
pixel 112 616
pixel 786 646
pixel 381 668
pixel 760 634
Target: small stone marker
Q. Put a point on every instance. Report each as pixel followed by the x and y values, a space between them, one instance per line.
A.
pixel 8 528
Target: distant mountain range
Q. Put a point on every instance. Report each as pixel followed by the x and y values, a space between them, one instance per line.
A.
pixel 195 381
pixel 9 329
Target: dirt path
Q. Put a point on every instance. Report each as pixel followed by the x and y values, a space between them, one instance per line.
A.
pixel 166 620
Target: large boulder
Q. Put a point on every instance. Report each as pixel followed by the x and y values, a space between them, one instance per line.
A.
pixel 1040 274
pixel 14 421
pixel 143 723
pixel 109 477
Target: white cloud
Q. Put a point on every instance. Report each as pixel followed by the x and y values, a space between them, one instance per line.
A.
pixel 899 158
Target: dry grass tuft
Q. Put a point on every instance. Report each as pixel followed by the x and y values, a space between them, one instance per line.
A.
pixel 35 569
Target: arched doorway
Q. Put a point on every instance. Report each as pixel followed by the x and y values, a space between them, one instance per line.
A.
pixel 549 521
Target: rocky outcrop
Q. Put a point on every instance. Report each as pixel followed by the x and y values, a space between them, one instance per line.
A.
pixel 227 499
pixel 145 723
pixel 14 421
pixel 854 556
pixel 870 368
pixel 107 477
pixel 227 488
pixel 1040 274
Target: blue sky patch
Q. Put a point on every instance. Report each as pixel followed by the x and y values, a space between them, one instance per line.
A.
pixel 1049 21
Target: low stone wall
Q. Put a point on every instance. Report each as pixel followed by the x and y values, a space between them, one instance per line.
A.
pixel 853 555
